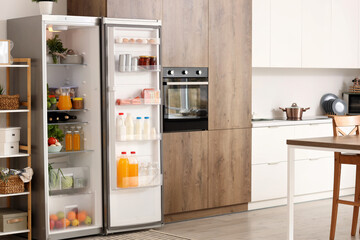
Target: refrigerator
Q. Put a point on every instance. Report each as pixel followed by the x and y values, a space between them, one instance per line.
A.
pixel 75 192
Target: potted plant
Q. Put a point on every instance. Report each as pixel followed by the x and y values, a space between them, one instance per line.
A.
pixel 46 6
pixel 56 49
pixel 8 102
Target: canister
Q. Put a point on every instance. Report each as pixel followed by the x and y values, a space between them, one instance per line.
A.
pixel 122 62
pixel 128 62
pixel 134 63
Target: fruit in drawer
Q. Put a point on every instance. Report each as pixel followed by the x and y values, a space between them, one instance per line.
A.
pixel 75 223
pixel 52 224
pixel 88 220
pixel 67 222
pixel 71 215
pixel 54 217
pixel 60 215
pixel 59 224
pixel 82 216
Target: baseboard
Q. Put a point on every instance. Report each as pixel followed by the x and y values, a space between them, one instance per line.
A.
pixel 205 213
pixel 298 199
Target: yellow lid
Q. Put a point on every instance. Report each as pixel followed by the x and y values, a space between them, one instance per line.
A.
pixel 78 99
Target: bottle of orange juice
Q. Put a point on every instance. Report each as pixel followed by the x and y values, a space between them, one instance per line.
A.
pixel 64 99
pixel 68 141
pixel 123 171
pixel 133 170
pixel 76 141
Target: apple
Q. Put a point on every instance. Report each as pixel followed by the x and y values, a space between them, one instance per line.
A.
pixel 52 141
pixel 52 224
pixel 59 224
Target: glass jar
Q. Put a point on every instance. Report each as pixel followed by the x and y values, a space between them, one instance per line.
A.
pixel 78 103
pixel 64 99
pixel 153 60
pixel 144 61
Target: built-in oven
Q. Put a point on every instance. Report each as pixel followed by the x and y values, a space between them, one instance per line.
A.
pixel 185 94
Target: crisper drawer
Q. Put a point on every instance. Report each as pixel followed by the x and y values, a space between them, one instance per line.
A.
pixel 10 134
pixel 269 181
pixel 313 176
pixel 311 131
pixel 269 144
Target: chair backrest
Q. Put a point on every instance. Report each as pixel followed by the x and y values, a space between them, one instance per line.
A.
pixel 346 121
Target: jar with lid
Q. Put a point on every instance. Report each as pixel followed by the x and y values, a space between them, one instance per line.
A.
pixel 78 103
pixel 144 61
pixel 153 60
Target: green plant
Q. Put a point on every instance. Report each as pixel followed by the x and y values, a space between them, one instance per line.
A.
pixel 4 174
pixel 54 177
pixel 44 1
pixel 2 90
pixel 56 47
pixel 55 132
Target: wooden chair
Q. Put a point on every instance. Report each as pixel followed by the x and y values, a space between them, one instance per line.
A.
pixel 345 121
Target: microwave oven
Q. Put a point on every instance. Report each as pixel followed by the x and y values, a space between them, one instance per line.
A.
pixel 353 103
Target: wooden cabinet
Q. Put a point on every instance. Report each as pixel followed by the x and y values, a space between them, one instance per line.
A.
pixel 149 9
pixel 345 30
pixel 229 64
pixel 229 167
pixel 185 166
pixel 316 33
pixel 285 37
pixel 261 33
pixel 185 36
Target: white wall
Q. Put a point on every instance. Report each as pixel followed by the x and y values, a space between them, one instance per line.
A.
pixel 279 87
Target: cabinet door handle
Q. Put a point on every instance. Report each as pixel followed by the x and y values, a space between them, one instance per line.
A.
pixel 273 163
pixel 16 220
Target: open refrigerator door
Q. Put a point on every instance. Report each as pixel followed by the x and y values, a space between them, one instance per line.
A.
pixel 133 169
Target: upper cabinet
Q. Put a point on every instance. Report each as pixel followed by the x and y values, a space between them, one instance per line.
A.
pixel 229 64
pixel 149 9
pixel 306 33
pixel 345 30
pixel 261 33
pixel 316 32
pixel 185 33
pixel 285 38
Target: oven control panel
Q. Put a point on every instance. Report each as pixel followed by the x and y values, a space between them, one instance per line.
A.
pixel 185 72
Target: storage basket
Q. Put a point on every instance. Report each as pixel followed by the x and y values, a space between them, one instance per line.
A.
pixel 13 185
pixel 9 102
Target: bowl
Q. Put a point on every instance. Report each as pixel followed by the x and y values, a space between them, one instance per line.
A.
pixel 54 149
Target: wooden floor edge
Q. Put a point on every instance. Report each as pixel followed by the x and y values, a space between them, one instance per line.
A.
pixel 176 217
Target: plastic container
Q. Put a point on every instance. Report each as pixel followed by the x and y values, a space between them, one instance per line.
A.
pixel 147 128
pixel 10 134
pixel 133 170
pixel 123 171
pixel 138 128
pixel 120 128
pixel 129 123
pixel 10 148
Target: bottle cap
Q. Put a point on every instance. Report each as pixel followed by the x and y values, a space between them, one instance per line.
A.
pixel 147 118
pixel 138 118
pixel 133 152
pixel 123 152
pixel 121 113
pixel 68 132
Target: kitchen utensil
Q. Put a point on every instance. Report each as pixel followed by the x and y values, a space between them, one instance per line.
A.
pixel 339 107
pixel 294 112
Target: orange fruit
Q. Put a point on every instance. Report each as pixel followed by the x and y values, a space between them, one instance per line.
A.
pixel 71 215
pixel 82 216
pixel 67 222
pixel 54 217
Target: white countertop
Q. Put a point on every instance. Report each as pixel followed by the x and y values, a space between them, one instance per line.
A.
pixel 283 122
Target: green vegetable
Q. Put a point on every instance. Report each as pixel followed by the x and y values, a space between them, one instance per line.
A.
pixel 55 47
pixel 55 132
pixel 67 182
pixel 53 100
pixel 54 177
pixel 48 105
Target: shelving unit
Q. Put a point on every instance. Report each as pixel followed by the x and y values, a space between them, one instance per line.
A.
pixel 25 63
pixel 68 123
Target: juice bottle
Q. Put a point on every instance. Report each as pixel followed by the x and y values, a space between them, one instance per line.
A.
pixel 133 170
pixel 76 141
pixel 123 171
pixel 68 141
pixel 64 99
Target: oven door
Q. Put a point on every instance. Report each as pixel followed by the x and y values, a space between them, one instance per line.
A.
pixel 185 106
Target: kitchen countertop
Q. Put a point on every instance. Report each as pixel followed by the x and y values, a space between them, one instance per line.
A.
pixel 257 123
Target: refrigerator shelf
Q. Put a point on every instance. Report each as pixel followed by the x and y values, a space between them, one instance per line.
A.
pixel 71 191
pixel 68 123
pixel 72 110
pixel 154 68
pixel 148 181
pixel 67 65
pixel 73 229
pixel 137 102
pixel 70 152
pixel 137 41
pixel 135 139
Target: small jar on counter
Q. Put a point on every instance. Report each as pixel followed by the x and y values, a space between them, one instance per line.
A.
pixel 78 103
pixel 144 61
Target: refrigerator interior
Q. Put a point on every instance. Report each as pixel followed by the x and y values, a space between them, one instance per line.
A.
pixel 76 189
pixel 139 205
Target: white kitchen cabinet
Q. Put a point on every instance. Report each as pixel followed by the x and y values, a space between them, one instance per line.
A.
pixel 344 36
pixel 261 33
pixel 269 181
pixel 316 34
pixel 269 144
pixel 311 131
pixel 285 39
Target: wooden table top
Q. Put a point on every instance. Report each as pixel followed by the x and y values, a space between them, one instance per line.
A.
pixel 344 142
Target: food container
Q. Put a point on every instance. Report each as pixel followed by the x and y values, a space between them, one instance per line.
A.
pixel 134 63
pixel 9 134
pixel 9 148
pixel 72 59
pixel 78 103
pixel 294 112
pixel 153 60
pixel 128 62
pixel 122 62
pixel 12 220
pixel 144 61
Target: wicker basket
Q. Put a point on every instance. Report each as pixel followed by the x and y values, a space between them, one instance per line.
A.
pixel 9 102
pixel 13 185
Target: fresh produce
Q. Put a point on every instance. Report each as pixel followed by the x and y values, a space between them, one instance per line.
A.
pixel 52 141
pixel 67 182
pixel 52 224
pixel 75 223
pixel 55 132
pixel 82 216
pixel 60 215
pixel 71 215
pixel 54 177
pixel 56 48
pixel 59 224
pixel 88 220
pixel 54 217
pixel 67 222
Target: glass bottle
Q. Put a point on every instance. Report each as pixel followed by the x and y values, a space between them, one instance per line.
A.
pixel 68 141
pixel 76 141
pixel 82 137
